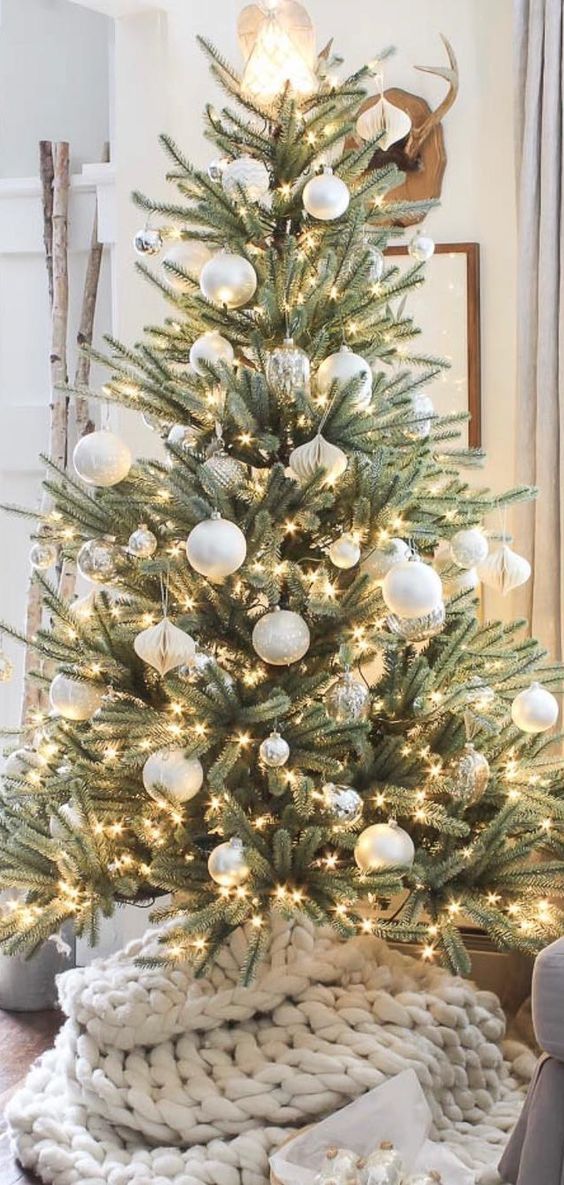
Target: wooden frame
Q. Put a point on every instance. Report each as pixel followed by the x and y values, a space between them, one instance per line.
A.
pixel 473 328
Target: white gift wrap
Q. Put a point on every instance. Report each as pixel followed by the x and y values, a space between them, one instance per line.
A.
pixel 396 1111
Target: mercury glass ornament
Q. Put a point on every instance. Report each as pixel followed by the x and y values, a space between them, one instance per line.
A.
pixel 470 777
pixel 418 629
pixel 142 543
pixel 431 1178
pixel 6 668
pixel 343 803
pixel 148 241
pixel 96 560
pixel 274 750
pixel 384 845
pixel 43 555
pixel 348 700
pixel 227 864
pixel 384 1166
pixel 340 1167
pixel 421 247
pixel 288 370
pixel 229 473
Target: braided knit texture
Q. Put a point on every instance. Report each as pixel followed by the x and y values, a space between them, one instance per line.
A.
pixel 160 1079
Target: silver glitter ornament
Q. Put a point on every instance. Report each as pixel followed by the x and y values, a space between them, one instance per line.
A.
pixel 227 864
pixel 96 559
pixel 274 750
pixel 142 543
pixel 348 700
pixel 470 776
pixel 148 241
pixel 417 629
pixel 288 370
pixel 43 555
pixel 229 473
pixel 343 803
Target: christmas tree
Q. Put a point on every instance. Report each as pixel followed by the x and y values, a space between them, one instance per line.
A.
pixel 279 696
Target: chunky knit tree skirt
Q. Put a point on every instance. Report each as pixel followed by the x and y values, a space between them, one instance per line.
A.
pixel 160 1079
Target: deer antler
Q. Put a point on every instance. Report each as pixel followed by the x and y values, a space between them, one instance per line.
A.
pixel 450 74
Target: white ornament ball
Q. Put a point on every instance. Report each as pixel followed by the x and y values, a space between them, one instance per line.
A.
pixel 148 241
pixel 142 543
pixel 274 750
pixel 168 771
pixel 469 547
pixel 101 459
pixel 43 555
pixel 412 589
pixel 20 762
pixel 535 709
pixel 421 247
pixel 183 436
pixel 422 413
pixel 344 552
pixel 228 280
pixel 326 197
pixel 74 700
pixel 211 349
pixel 191 255
pixel 248 174
pixel 381 560
pixel 342 367
pixel 384 845
pixel 216 548
pixel 227 864
pixel 281 637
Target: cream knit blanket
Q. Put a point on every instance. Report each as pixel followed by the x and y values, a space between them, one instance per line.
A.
pixel 160 1079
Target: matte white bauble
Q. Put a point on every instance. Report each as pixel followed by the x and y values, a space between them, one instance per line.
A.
pixel 164 646
pixel 326 196
pixel 211 348
pixel 342 367
pixel 74 700
pixel 228 280
pixel 216 548
pixel 535 709
pixel 319 453
pixel 344 552
pixel 504 570
pixel 191 256
pixel 412 589
pixel 101 459
pixel 168 771
pixel 281 637
pixel 469 547
pixel 227 864
pixel 384 845
pixel 248 174
pixel 385 120
pixel 422 412
pixel 421 247
pixel 381 560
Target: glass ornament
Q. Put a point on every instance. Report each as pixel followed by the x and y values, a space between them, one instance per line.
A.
pixel 229 473
pixel 341 368
pixel 210 349
pixel 248 174
pixel 281 637
pixel 469 547
pixel 6 668
pixel 274 750
pixel 378 562
pixel 288 370
pixel 148 241
pixel 348 700
pixel 377 264
pixel 228 280
pixel 423 413
pixel 43 555
pixel 316 454
pixel 20 762
pixel 535 709
pixel 142 543
pixel 227 864
pixel 155 423
pixel 170 772
pixel 384 1166
pixel 326 197
pixel 96 559
pixel 470 777
pixel 340 1167
pixel 421 247
pixel 343 803
pixel 183 436
pixel 74 700
pixel 216 548
pixel 344 552
pixel 164 646
pixel 101 459
pixel 190 255
pixel 384 845
pixel 216 167
pixel 412 589
pixel 278 43
pixel 418 629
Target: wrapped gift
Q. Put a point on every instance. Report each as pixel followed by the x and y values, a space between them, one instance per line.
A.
pixel 395 1113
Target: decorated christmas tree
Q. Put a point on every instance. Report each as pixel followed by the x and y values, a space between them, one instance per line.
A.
pixel 280 696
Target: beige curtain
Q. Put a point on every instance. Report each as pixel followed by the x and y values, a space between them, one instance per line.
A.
pixel 540 317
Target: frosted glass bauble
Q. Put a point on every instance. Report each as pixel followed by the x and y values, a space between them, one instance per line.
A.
pixel 348 700
pixel 211 348
pixel 412 589
pixel 228 280
pixel 317 454
pixel 380 560
pixel 274 750
pixel 164 646
pixel 386 120
pixel 74 700
pixel 96 559
pixel 168 771
pixel 342 367
pixel 248 174
pixel 384 845
pixel 421 247
pixel 326 196
pixel 504 570
pixel 227 864
pixel 101 459
pixel 43 555
pixel 535 709
pixel 423 412
pixel 191 255
pixel 469 547
pixel 142 543
pixel 344 552
pixel 281 637
pixel 216 548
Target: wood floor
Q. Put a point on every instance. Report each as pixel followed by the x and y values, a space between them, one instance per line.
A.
pixel 23 1037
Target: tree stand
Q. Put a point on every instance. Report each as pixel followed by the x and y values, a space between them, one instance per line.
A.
pixel 160 1079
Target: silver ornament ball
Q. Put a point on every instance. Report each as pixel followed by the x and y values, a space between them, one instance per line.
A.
pixel 274 750
pixel 74 700
pixel 43 555
pixel 148 241
pixel 418 629
pixel 227 864
pixel 96 559
pixel 229 473
pixel 470 777
pixel 348 700
pixel 142 543
pixel 421 247
pixel 288 370
pixel 343 803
